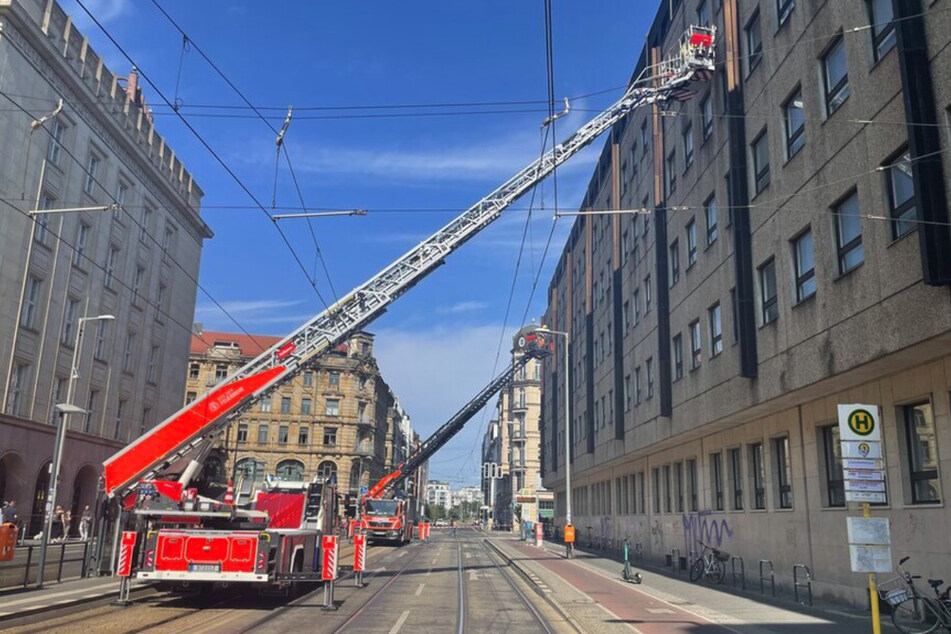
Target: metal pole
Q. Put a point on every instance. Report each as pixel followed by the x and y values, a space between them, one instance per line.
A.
pixel 568 547
pixel 58 456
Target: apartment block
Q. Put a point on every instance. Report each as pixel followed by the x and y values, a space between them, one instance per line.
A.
pixel 336 418
pixel 124 243
pixel 786 249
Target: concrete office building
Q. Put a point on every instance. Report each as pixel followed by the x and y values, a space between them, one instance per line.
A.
pixel 330 419
pixel 439 493
pixel 794 254
pixel 138 262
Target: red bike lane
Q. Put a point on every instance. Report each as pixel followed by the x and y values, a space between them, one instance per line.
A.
pixel 629 605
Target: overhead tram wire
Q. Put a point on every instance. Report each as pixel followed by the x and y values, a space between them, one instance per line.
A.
pixel 211 151
pixel 143 229
pixel 281 145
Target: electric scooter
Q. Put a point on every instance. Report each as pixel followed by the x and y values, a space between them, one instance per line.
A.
pixel 628 574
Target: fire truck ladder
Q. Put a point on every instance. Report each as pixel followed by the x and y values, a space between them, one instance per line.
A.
pixel 174 438
pixel 455 424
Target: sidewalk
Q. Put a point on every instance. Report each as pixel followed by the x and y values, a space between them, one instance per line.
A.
pixel 20 602
pixel 590 590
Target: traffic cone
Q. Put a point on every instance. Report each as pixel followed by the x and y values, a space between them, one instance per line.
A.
pixel 229 494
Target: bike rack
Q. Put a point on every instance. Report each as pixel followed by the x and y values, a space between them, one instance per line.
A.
pixel 741 574
pixel 674 560
pixel 807 584
pixel 770 576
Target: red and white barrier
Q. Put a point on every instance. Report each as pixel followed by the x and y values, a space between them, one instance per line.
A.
pixel 229 494
pixel 359 553
pixel 539 534
pixel 126 548
pixel 328 547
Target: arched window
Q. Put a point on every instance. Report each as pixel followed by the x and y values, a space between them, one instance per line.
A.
pixel 327 469
pixel 292 470
pixel 250 469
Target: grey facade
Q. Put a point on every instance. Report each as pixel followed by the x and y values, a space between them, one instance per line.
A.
pixel 138 262
pixel 794 254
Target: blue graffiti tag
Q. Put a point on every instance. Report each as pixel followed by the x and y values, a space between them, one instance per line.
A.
pixel 700 527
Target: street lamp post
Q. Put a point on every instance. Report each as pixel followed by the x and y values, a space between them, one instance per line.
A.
pixel 568 545
pixel 65 409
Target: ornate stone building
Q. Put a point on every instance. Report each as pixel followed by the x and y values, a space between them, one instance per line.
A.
pixel 338 417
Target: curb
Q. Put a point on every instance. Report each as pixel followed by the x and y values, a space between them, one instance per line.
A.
pixel 25 616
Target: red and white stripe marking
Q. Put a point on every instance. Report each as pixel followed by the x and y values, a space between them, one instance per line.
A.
pixel 328 546
pixel 359 553
pixel 124 567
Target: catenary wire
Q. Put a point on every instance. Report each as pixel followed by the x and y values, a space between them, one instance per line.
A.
pixel 211 151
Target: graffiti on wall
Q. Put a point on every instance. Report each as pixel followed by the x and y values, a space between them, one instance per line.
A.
pixel 701 526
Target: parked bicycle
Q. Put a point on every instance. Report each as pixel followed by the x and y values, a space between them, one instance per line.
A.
pixel 628 573
pixel 913 612
pixel 709 565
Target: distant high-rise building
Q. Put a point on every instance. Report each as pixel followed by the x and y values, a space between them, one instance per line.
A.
pixel 439 494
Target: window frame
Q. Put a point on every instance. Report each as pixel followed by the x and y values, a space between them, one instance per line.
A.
pixel 769 306
pixel 845 249
pixel 834 477
pixel 757 457
pixel 691 230
pixel 795 139
pixel 885 39
pixel 784 9
pixel 712 231
pixel 674 252
pixel 913 472
pixel 688 147
pixel 804 279
pixel 677 345
pixel 753 55
pixel 761 173
pixel 735 460
pixel 715 322
pixel 834 95
pixel 706 117
pixel 716 481
pixel 782 471
pixel 696 344
pixel 907 212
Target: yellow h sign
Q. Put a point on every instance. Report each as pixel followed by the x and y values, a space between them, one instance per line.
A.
pixel 861 422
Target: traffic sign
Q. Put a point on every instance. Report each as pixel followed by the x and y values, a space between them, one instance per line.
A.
pixel 859 423
pixel 363 490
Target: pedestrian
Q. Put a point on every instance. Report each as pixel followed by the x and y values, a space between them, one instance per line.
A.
pixel 85 520
pixel 452 528
pixel 57 531
pixel 67 523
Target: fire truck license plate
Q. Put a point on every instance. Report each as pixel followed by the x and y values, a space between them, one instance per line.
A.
pixel 204 567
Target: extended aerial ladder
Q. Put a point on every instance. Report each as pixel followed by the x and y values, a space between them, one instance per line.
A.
pixel 182 435
pixel 532 346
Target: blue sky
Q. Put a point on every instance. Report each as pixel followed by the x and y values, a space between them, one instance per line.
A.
pixel 437 345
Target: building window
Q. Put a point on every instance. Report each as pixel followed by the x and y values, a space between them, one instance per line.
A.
pixel 637 307
pixel 848 233
pixel 111 260
pixel 146 221
pixel 333 407
pixel 783 9
pixel 120 408
pixel 760 149
pixel 42 221
pixel 678 350
pixel 626 318
pixel 92 168
pixel 691 243
pixel 716 330
pixel 129 350
pixel 667 491
pixel 696 345
pixel 754 43
pixel 121 192
pixel 330 436
pixel 647 292
pixel 650 377
pixel 90 411
pixel 706 116
pixel 79 247
pixel 655 481
pixel 671 173
pixel 283 432
pixel 628 396
pixel 767 284
pixel 305 405
pixel 782 469
pixel 221 372
pixel 922 453
pixel 190 397
pixel 710 215
pixel 794 124
pixel 832 454
pixel 692 484
pixel 266 404
pixel 56 142
pixel 679 486
pixel 901 196
pixel 736 476
pixel 637 385
pixel 674 262
pixel 285 404
pixel 716 480
pixel 758 475
pixel 303 434
pixel 15 397
pixel 160 302
pixel 31 298
pixel 880 16
pixel 99 350
pixel 805 266
pixel 137 284
pixel 153 360
pixel 688 147
pixel 242 436
pixel 290 471
pixel 333 378
pixel 835 76
pixel 308 379
pixel 69 321
pixel 262 434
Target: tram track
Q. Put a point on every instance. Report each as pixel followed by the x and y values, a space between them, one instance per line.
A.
pixel 493 555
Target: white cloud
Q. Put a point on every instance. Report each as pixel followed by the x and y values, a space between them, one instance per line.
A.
pixel 461 307
pixel 104 10
pixel 251 313
pixel 435 372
